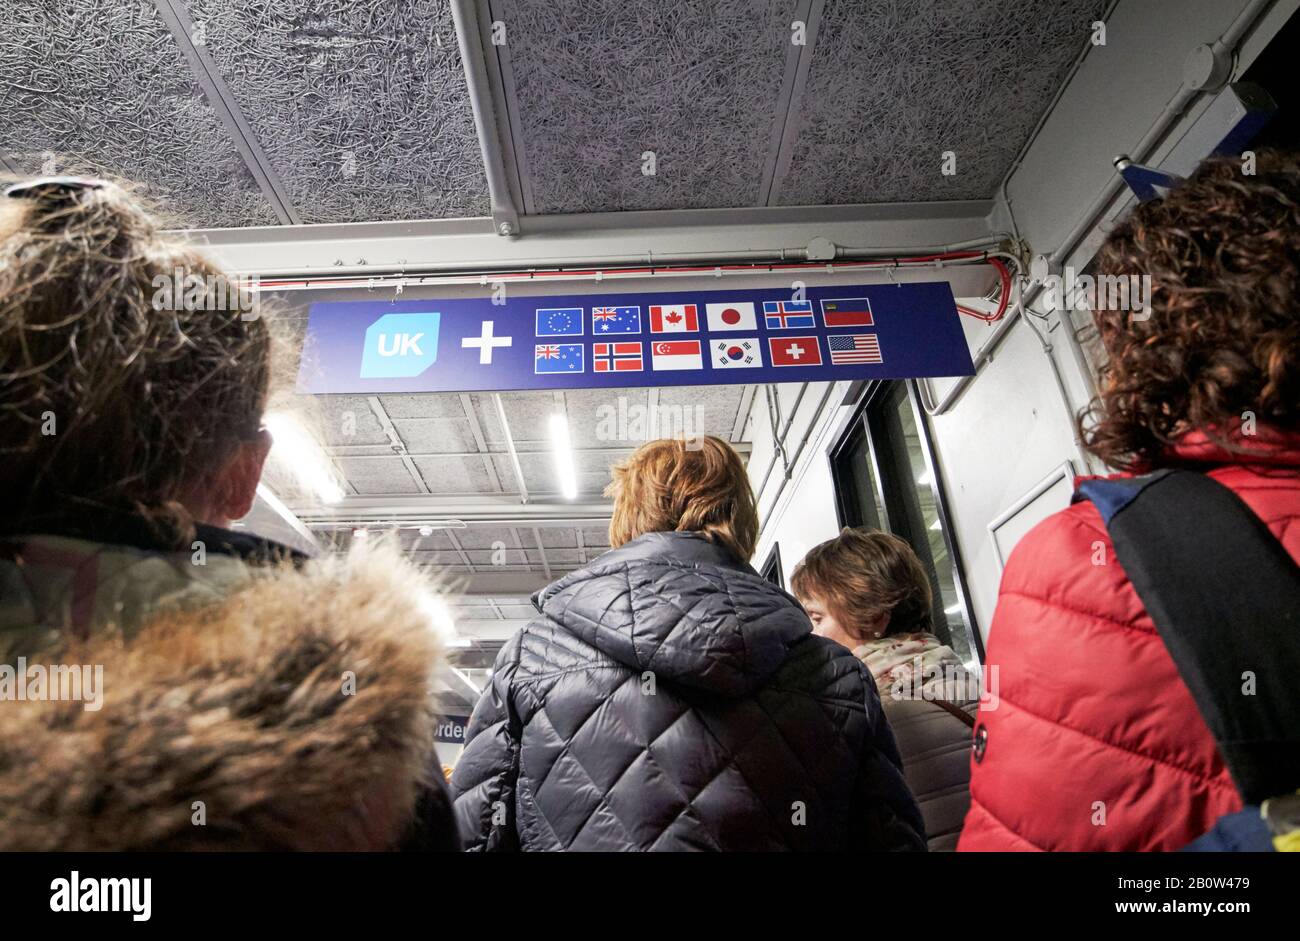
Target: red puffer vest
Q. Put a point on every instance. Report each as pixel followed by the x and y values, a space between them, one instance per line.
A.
pixel 1092 742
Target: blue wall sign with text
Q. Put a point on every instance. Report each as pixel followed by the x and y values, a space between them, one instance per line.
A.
pixel 667 338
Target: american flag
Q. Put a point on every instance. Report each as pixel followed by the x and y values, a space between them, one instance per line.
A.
pixel 848 348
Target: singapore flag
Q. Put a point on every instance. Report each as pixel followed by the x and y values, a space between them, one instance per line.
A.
pixel 676 354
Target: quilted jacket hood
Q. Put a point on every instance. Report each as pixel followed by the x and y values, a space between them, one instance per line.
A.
pixel 681 607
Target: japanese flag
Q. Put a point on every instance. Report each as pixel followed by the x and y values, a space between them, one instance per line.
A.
pixel 735 316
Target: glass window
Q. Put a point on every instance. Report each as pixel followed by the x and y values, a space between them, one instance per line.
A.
pixel 884 480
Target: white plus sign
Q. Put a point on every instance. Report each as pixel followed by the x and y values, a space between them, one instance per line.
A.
pixel 485 343
pixel 795 351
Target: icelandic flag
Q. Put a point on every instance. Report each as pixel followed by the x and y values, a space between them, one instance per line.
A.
pixel 615 320
pixel 616 357
pixel 558 357
pixel 787 315
pixel 559 322
pixel 847 312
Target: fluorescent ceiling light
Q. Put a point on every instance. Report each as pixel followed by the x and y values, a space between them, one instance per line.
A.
pixel 925 480
pixel 952 609
pixel 563 449
pixel 935 525
pixel 299 453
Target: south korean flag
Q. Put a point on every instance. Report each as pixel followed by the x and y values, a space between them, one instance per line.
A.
pixel 740 353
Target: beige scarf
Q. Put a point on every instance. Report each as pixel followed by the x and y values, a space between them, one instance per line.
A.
pixel 917 666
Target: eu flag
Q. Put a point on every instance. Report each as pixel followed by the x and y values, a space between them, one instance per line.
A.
pixel 559 322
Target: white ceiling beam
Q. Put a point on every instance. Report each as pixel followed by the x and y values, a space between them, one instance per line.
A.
pixel 680 236
pixel 219 97
pixel 472 509
pixel 785 126
pixel 505 212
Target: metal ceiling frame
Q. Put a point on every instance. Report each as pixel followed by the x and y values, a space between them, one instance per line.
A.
pixel 472 509
pixel 505 213
pixel 784 129
pixel 205 72
pixel 660 237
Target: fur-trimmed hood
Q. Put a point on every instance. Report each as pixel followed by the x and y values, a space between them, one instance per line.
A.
pixel 279 706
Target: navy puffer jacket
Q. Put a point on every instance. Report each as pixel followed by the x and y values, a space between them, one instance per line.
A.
pixel 668 698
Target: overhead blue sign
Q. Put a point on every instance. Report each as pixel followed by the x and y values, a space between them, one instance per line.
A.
pixel 669 338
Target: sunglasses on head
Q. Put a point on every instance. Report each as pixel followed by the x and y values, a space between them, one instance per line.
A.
pixel 57 186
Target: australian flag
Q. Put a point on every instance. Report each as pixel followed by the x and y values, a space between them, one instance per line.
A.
pixel 558 357
pixel 615 320
pixel 559 322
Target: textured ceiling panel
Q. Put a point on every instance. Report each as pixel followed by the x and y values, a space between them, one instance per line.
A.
pixel 454 474
pixel 101 87
pixel 372 475
pixel 345 420
pixel 435 434
pixel 599 82
pixel 895 83
pixel 361 108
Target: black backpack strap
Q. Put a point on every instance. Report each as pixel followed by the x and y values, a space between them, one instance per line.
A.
pixel 1225 597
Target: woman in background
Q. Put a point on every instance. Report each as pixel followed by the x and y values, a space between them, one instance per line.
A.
pixel 867 591
pixel 233 694
pixel 668 698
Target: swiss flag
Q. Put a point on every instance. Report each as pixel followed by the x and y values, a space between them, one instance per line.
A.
pixel 795 351
pixel 675 318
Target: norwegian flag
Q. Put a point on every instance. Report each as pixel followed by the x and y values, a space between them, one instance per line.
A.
pixel 616 357
pixel 674 318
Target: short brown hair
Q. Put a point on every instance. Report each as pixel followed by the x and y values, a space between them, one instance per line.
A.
pixel 698 485
pixel 147 396
pixel 1223 335
pixel 863 573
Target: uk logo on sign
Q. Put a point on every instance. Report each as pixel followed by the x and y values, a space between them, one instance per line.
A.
pixel 795 351
pixel 740 353
pixel 400 346
pixel 674 318
pixel 616 357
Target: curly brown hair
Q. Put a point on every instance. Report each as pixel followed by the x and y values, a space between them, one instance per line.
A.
pixel 117 397
pixel 1222 338
pixel 862 574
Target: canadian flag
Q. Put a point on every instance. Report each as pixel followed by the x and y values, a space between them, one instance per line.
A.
pixel 675 318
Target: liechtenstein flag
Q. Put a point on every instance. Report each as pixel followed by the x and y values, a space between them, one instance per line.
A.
pixel 615 320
